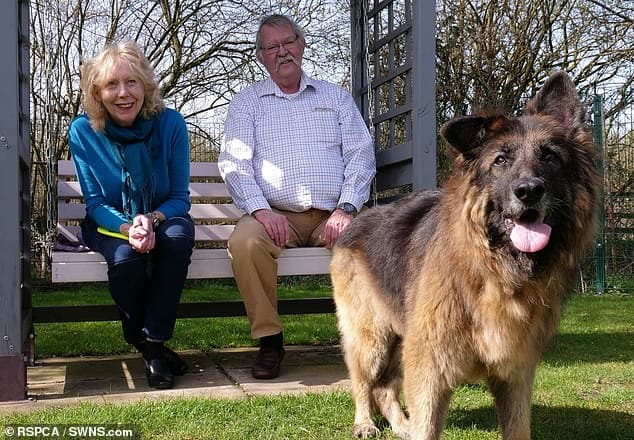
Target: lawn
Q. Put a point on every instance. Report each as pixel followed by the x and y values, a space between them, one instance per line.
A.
pixel 94 338
pixel 584 387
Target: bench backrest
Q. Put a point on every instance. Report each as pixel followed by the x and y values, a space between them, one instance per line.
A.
pixel 212 210
pixel 215 217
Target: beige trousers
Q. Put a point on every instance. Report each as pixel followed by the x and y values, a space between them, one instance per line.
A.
pixel 254 261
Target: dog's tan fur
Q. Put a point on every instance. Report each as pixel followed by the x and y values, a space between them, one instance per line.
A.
pixel 430 294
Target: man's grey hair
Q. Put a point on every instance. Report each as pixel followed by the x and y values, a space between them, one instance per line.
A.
pixel 277 20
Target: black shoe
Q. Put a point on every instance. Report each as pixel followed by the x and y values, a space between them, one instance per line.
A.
pixel 157 368
pixel 158 373
pixel 176 364
pixel 267 363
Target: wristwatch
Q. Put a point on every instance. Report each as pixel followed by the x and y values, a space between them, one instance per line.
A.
pixel 348 208
pixel 154 218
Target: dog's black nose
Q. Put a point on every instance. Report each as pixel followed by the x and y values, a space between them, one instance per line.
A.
pixel 529 189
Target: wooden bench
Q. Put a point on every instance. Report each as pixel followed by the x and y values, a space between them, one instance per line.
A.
pixel 214 215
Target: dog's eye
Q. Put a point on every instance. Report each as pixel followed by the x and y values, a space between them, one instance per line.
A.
pixel 500 160
pixel 550 156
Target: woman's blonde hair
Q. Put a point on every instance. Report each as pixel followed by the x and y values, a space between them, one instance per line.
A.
pixel 95 72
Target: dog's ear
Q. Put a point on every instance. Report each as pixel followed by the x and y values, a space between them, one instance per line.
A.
pixel 558 98
pixel 467 133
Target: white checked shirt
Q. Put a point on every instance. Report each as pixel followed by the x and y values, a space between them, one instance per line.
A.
pixel 296 152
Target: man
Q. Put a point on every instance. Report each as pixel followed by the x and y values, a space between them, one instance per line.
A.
pixel 298 160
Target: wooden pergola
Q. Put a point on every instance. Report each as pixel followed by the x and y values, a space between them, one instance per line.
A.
pixel 393 55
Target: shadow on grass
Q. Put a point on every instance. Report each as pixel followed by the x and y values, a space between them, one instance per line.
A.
pixel 568 348
pixel 554 423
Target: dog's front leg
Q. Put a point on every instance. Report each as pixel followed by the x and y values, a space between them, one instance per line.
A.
pixel 513 403
pixel 363 426
pixel 427 395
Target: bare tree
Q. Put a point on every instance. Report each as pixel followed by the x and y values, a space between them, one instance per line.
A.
pixel 492 52
pixel 202 49
pixel 495 53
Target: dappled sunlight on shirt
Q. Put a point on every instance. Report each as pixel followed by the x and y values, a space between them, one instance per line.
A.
pixel 272 174
pixel 239 149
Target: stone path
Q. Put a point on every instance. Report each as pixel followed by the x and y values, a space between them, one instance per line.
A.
pixel 223 373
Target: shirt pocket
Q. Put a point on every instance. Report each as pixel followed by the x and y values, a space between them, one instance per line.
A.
pixel 324 122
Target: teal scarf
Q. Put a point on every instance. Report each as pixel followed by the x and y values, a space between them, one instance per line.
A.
pixel 134 147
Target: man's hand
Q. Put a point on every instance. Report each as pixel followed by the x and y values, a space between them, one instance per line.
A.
pixel 276 225
pixel 335 226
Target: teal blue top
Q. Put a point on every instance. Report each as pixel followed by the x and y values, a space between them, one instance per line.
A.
pixel 98 162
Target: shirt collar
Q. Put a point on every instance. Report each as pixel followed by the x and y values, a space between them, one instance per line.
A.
pixel 270 88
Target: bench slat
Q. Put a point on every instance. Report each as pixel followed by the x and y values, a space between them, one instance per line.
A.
pixel 66 169
pixel 70 211
pixel 206 263
pixel 201 211
pixel 204 169
pixel 208 191
pixel 215 211
pixel 203 233
pixel 197 190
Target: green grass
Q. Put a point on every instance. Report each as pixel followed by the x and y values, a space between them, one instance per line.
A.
pixel 200 333
pixel 584 387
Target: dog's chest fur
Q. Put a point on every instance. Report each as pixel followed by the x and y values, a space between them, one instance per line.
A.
pixel 507 310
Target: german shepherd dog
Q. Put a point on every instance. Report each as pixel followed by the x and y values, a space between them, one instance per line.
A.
pixel 468 282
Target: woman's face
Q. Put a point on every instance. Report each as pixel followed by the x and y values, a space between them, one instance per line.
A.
pixel 122 95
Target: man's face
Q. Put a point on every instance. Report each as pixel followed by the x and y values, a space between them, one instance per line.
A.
pixel 281 53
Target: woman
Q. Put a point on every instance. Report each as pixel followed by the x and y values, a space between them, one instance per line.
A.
pixel 132 160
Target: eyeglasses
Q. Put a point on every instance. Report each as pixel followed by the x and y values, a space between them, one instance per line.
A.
pixel 273 48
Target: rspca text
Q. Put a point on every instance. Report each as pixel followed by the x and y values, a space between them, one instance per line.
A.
pixel 70 431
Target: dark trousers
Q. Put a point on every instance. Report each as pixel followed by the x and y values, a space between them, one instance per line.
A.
pixel 146 287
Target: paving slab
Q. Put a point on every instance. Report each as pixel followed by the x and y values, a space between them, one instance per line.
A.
pixel 305 369
pixel 222 373
pixel 293 379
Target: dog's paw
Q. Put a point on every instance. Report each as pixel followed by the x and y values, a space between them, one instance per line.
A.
pixel 365 430
pixel 401 433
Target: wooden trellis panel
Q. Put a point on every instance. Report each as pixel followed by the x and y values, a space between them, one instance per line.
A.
pixel 393 44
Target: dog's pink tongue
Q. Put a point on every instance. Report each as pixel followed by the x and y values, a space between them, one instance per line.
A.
pixel 530 237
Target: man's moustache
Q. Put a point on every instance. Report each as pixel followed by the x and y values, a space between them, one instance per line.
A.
pixel 286 58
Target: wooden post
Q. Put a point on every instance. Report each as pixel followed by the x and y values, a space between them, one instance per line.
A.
pixel 424 95
pixel 15 244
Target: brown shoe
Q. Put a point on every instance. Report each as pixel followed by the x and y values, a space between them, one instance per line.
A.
pixel 267 363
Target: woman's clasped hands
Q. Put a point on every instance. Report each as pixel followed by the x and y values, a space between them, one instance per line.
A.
pixel 141 234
